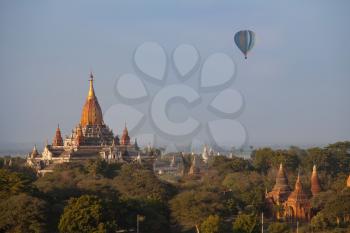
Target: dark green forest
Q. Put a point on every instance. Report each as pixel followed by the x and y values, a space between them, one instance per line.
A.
pixel 228 197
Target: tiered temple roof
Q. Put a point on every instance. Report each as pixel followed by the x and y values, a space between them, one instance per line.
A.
pixel 125 140
pixel 57 141
pixel 281 190
pixel 298 194
pixel 298 205
pixel 90 139
pixel 92 113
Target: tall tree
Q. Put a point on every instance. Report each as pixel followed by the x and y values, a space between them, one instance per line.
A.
pixel 86 214
pixel 262 159
pixel 134 181
pixel 245 223
pixel 23 213
pixel 12 183
pixel 212 224
pixel 191 208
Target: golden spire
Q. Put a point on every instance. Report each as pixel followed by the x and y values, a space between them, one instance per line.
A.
pixel 91 89
pixel 91 114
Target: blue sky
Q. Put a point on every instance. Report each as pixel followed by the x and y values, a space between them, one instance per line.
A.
pixel 295 81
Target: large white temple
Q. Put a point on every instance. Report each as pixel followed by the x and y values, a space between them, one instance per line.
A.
pixel 90 139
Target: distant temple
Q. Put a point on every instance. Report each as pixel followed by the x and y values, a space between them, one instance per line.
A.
pixel 91 138
pixel 288 204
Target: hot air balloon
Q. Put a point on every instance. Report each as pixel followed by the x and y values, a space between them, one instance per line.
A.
pixel 245 41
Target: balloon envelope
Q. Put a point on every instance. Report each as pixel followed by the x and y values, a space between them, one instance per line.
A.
pixel 245 41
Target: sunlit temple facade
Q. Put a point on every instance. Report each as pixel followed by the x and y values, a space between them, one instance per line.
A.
pixel 293 205
pixel 91 138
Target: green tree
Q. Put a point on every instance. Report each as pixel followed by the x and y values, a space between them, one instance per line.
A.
pixel 319 222
pixel 262 159
pixel 191 208
pixel 247 188
pixel 13 183
pixel 61 184
pixel 23 213
pixel 156 215
pixel 102 168
pixel 245 223
pixel 278 227
pixel 86 214
pixel 337 209
pixel 212 224
pixel 289 159
pixel 134 181
pixel 225 165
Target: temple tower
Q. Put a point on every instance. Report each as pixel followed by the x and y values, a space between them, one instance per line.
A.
pixel 91 114
pixel 315 184
pixel 195 167
pixel 297 206
pixel 79 139
pixel 34 153
pixel 57 141
pixel 281 190
pixel 125 140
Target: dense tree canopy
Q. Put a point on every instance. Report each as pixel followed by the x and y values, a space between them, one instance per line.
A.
pixel 191 208
pixel 213 224
pixel 247 188
pixel 137 182
pixel 13 183
pixel 86 214
pixel 23 213
pixel 245 223
pixel 279 228
pixel 228 195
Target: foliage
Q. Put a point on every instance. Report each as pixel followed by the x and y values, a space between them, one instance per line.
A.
pixel 103 195
pixel 134 181
pixel 265 158
pixel 23 213
pixel 278 227
pixel 262 159
pixel 213 224
pixel 223 165
pixel 156 215
pixel 319 222
pixel 61 184
pixel 338 208
pixel 101 167
pixel 191 208
pixel 246 187
pixel 245 223
pixel 13 183
pixel 89 214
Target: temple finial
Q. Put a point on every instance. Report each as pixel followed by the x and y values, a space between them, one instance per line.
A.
pixel 91 89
